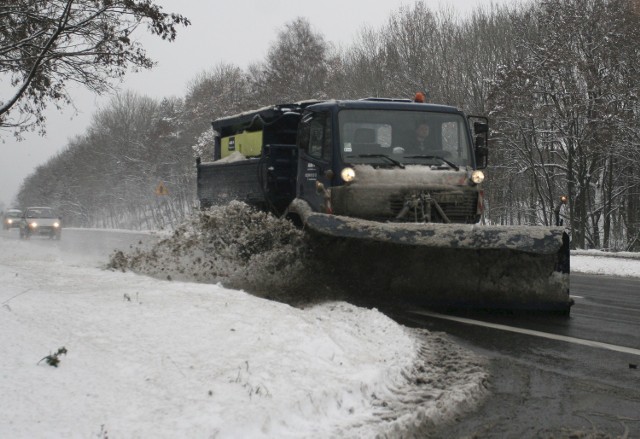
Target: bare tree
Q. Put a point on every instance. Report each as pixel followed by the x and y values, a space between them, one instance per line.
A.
pixel 220 91
pixel 364 67
pixel 295 67
pixel 46 45
pixel 565 100
pixel 108 177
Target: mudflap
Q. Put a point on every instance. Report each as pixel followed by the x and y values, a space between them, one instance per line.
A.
pixel 453 266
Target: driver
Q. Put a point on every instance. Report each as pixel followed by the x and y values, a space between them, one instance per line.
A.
pixel 420 144
pixel 422 137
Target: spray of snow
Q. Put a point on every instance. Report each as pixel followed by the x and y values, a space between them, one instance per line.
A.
pixel 235 245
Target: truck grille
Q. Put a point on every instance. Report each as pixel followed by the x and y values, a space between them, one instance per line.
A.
pixel 459 207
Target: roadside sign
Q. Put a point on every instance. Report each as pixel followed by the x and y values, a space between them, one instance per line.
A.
pixel 161 189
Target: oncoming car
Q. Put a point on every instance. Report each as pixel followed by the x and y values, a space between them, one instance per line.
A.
pixel 40 221
pixel 11 219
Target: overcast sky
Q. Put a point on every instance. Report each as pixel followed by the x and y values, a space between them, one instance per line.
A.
pixel 238 32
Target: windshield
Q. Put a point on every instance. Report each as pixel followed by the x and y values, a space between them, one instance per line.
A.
pixel 43 212
pixel 406 137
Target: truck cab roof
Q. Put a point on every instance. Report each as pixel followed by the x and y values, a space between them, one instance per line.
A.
pixel 256 119
pixel 384 104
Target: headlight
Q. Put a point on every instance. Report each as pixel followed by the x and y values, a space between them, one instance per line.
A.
pixel 348 174
pixel 477 177
pixel 33 225
pixel 10 221
pixel 56 224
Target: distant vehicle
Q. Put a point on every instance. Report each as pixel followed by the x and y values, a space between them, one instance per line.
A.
pixel 40 221
pixel 11 219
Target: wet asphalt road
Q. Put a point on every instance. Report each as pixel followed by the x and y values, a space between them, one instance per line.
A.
pixel 543 387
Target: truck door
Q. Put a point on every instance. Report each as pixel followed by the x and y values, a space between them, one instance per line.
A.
pixel 315 173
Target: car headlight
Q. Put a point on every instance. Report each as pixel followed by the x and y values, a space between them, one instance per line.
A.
pixel 56 224
pixel 348 174
pixel 477 177
pixel 10 221
pixel 33 224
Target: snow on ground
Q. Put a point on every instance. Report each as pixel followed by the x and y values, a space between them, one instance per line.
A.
pixel 613 264
pixel 165 359
pixel 147 357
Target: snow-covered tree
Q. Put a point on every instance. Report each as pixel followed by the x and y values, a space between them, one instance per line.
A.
pixel 564 105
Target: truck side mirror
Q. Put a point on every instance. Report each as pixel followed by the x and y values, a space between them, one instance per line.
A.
pixel 482 152
pixel 480 128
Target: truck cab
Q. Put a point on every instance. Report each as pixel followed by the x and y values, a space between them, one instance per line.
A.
pixel 376 159
pixel 391 160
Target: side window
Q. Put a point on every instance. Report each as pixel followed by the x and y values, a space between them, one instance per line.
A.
pixel 303 133
pixel 314 136
pixel 384 135
pixel 450 139
pixel 453 136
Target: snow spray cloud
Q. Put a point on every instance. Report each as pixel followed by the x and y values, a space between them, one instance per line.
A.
pixel 233 244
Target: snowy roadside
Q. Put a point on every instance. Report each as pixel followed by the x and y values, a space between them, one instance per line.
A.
pixel 612 264
pixel 153 358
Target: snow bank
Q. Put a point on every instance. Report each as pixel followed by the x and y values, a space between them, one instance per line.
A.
pixel 153 358
pixel 612 264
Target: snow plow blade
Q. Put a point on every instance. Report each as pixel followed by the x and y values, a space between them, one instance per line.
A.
pixel 453 266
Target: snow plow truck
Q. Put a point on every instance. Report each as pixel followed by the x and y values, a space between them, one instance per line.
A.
pixel 392 188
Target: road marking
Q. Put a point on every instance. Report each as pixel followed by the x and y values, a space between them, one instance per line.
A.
pixel 576 297
pixel 580 341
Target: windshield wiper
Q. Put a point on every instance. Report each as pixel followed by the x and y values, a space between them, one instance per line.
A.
pixel 382 156
pixel 451 164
